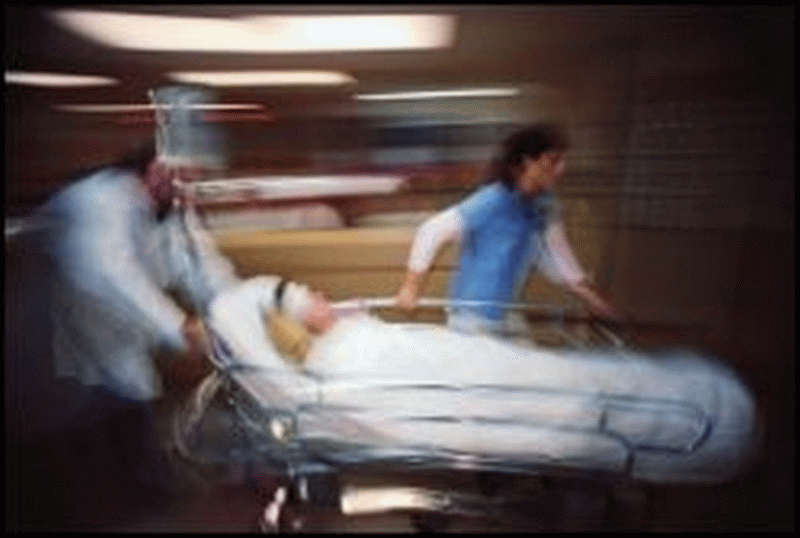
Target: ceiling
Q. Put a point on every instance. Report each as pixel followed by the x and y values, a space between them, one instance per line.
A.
pixel 494 44
pixel 554 46
pixel 596 52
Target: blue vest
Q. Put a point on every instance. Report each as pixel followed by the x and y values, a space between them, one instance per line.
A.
pixel 502 238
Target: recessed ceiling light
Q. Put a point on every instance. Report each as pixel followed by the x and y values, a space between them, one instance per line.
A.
pixel 439 94
pixel 140 107
pixel 290 187
pixel 264 78
pixel 56 80
pixel 261 34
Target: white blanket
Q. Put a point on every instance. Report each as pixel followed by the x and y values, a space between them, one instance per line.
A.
pixel 678 418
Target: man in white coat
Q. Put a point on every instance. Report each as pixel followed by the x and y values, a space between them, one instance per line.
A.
pixel 133 272
pixel 134 267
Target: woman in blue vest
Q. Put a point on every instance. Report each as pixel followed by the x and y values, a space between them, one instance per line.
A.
pixel 506 228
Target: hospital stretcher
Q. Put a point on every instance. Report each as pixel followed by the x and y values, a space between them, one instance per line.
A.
pixel 692 421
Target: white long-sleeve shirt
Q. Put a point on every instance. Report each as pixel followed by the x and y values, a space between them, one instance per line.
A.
pixel 558 262
pixel 116 265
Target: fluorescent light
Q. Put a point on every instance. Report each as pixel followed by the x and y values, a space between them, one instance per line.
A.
pixel 263 78
pixel 60 80
pixel 134 107
pixel 371 500
pixel 439 94
pixel 103 108
pixel 261 34
pixel 293 187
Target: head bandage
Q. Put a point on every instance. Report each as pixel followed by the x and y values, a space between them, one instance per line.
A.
pixel 286 324
pixel 296 301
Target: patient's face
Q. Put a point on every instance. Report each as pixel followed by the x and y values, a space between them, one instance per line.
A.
pixel 321 317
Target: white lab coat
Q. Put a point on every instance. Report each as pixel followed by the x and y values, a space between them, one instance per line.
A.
pixel 115 264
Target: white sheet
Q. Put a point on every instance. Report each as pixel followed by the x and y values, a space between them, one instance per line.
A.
pixel 678 418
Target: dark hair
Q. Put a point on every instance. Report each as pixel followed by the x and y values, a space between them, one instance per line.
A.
pixel 531 141
pixel 139 159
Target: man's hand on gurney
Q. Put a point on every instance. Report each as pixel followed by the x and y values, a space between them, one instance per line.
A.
pixel 194 335
pixel 185 370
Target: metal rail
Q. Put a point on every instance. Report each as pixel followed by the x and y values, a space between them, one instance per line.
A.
pixel 558 313
pixel 431 302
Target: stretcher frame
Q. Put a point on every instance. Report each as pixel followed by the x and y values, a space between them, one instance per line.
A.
pixel 268 431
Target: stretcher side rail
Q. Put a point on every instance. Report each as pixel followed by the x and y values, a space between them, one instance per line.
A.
pixel 606 329
pixel 268 422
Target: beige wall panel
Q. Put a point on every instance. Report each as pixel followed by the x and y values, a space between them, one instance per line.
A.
pixel 341 285
pixel 371 262
pixel 331 250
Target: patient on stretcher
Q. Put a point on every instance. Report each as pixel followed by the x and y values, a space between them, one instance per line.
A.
pixel 684 417
pixel 307 335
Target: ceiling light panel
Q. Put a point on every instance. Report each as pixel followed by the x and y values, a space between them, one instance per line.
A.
pixel 439 94
pixel 56 80
pixel 141 107
pixel 264 78
pixel 261 34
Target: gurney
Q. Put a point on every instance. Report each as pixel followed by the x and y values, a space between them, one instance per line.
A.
pixel 377 397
